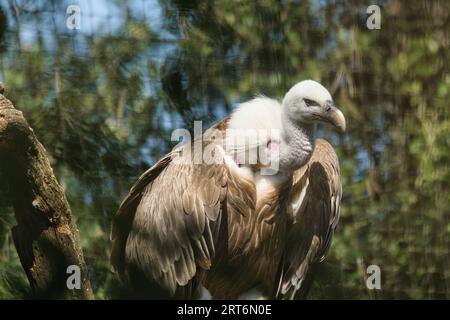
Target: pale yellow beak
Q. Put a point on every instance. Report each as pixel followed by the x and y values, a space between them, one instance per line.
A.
pixel 336 118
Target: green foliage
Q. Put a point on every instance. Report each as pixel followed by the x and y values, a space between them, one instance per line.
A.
pixel 104 105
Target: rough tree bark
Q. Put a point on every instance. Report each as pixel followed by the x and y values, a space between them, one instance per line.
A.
pixel 46 237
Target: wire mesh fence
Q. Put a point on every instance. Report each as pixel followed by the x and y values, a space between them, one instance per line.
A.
pixel 104 83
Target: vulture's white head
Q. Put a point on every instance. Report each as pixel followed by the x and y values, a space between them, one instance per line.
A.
pixel 308 102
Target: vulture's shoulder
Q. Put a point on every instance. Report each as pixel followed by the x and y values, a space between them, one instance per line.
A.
pixel 322 168
pixel 324 153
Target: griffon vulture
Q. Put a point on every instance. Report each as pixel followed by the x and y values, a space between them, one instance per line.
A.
pixel 228 225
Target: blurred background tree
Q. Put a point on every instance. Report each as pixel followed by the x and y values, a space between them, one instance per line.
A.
pixel 104 99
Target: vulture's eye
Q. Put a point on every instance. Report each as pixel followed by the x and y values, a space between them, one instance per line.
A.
pixel 311 103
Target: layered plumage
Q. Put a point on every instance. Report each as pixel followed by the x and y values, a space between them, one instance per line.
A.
pixel 231 226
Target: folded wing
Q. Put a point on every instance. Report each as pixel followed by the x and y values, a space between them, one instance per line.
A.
pixel 314 208
pixel 166 229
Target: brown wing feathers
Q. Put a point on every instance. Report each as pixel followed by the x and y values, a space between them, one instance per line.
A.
pixel 314 219
pixel 166 226
pixel 125 215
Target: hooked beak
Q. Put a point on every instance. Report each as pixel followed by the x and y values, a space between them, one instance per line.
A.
pixel 334 116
